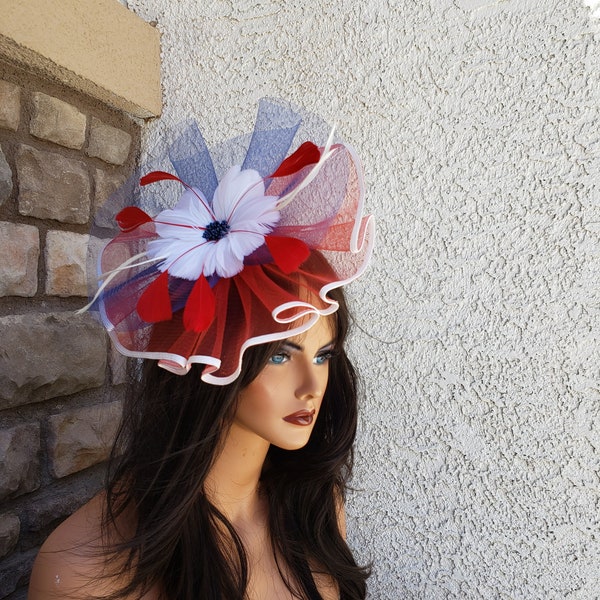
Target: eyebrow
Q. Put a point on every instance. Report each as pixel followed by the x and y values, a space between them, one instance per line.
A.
pixel 299 348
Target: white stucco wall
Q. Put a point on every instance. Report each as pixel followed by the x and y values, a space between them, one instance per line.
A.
pixel 477 472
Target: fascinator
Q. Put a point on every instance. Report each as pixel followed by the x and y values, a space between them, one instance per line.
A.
pixel 224 249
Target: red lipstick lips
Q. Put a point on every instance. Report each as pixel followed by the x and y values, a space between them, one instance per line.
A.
pixel 302 417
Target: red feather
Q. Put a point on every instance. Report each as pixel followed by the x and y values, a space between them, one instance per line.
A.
pixel 287 252
pixel 131 217
pixel 154 304
pixel 199 310
pixel 307 154
pixel 155 176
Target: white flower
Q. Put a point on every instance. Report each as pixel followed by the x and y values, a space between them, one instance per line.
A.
pixel 195 238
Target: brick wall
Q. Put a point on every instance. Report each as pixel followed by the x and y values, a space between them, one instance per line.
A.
pixel 61 155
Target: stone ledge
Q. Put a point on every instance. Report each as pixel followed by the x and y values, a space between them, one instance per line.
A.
pixel 111 54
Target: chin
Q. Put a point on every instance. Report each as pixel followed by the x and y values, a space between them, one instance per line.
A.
pixel 291 445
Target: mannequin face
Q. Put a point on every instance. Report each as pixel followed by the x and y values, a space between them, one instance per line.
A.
pixel 282 404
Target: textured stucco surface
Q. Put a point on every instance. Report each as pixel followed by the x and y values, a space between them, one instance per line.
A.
pixel 478 123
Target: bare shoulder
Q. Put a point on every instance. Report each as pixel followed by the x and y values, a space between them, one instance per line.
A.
pixel 70 564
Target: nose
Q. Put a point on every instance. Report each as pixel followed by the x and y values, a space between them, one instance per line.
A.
pixel 311 382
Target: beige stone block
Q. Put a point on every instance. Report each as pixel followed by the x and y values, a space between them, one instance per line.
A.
pixel 57 121
pixel 19 253
pixel 52 186
pixel 46 355
pixel 82 437
pixel 10 526
pixel 10 105
pixel 66 263
pixel 108 143
pixel 20 466
pixel 106 185
pixel 6 185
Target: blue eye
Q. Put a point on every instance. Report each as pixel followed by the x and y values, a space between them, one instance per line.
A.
pixel 279 358
pixel 324 357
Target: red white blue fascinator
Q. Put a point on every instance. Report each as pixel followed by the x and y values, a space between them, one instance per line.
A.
pixel 241 257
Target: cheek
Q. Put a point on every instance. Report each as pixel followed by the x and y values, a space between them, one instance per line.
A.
pixel 257 403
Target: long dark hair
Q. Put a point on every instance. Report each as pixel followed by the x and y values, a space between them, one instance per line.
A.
pixel 170 436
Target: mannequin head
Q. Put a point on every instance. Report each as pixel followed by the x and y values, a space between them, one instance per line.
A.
pixel 281 405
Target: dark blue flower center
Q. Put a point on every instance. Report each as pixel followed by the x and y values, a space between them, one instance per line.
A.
pixel 216 230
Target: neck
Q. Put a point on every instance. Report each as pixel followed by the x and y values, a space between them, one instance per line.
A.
pixel 232 484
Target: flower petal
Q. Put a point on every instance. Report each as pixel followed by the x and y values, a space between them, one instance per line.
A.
pixel 258 210
pixel 181 258
pixel 226 263
pixel 239 199
pixel 235 188
pixel 243 243
pixel 189 217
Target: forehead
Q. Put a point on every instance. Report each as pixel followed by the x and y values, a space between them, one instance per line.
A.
pixel 320 334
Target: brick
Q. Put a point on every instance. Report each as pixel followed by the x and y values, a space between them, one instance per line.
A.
pixel 6 185
pixel 20 466
pixel 9 533
pixel 49 355
pixel 57 121
pixel 15 571
pixel 108 143
pixel 19 254
pixel 10 105
pixel 66 263
pixel 82 437
pixel 52 186
pixel 106 185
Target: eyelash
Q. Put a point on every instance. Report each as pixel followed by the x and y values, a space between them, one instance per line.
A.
pixel 283 355
pixel 325 356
